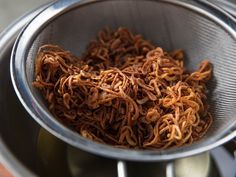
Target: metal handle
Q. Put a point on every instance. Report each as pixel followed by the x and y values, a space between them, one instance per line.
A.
pixel 170 170
pixel 122 169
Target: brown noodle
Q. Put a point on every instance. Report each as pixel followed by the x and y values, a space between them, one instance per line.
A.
pixel 125 92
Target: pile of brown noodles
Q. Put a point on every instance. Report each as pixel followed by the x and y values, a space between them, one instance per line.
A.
pixel 125 92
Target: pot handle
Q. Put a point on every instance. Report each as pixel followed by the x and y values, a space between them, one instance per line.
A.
pixel 170 171
pixel 122 169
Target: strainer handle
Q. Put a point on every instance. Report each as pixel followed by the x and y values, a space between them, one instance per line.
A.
pixel 170 172
pixel 122 169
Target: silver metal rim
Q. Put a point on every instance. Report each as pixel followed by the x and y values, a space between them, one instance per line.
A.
pixel 7 38
pixel 34 109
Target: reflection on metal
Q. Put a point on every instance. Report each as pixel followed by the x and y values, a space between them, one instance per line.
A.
pixel 52 152
pixel 121 169
pixel 170 169
pixel 197 166
pixel 227 5
pixel 83 164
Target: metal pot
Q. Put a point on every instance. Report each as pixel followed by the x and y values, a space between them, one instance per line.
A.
pixel 18 133
pixel 21 139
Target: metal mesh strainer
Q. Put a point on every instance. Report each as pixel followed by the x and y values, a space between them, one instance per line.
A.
pixel 201 30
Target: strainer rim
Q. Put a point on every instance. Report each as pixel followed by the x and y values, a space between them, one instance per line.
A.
pixel 18 77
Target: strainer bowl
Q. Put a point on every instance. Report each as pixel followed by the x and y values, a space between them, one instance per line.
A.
pixel 199 28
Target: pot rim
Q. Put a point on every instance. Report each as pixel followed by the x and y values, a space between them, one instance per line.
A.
pixel 7 38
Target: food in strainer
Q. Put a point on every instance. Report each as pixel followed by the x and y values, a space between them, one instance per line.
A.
pixel 126 92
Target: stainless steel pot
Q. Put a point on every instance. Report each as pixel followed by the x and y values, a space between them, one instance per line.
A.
pixel 19 134
pixel 16 128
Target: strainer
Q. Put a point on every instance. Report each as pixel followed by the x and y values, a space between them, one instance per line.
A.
pixel 199 28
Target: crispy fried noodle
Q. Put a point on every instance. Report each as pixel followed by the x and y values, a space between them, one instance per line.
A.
pixel 125 92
